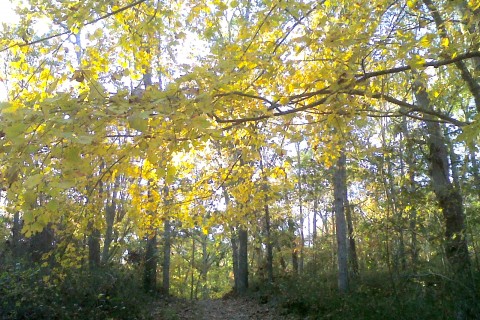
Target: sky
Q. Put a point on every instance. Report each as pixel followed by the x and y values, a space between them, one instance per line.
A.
pixel 6 13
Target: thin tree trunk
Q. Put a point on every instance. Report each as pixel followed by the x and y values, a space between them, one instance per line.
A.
pixel 236 277
pixel 166 257
pixel 192 268
pixel 242 261
pixel 41 243
pixel 16 234
pixel 300 206
pixel 150 268
pixel 314 231
pixel 352 248
pixel 291 228
pixel 94 248
pixel 205 268
pixel 110 211
pixel 269 245
pixel 268 239
pixel 339 181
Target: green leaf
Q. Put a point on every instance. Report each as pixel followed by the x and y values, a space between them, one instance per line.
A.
pixel 138 123
pixel 201 122
pixel 416 62
pixel 33 181
pixel 72 154
pixel 84 139
pixel 16 131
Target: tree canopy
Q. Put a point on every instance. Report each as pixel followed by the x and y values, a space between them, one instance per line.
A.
pixel 124 120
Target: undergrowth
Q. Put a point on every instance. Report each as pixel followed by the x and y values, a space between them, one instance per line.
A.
pixel 36 293
pixel 373 296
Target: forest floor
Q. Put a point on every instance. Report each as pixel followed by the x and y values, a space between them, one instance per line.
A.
pixel 232 308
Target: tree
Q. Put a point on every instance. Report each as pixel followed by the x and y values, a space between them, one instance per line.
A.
pixel 119 101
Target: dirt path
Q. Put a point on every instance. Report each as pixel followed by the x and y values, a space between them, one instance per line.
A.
pixel 219 309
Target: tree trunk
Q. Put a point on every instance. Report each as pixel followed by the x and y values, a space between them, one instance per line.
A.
pixel 110 211
pixel 94 249
pixel 291 228
pixel 41 243
pixel 352 248
pixel 300 207
pixel 242 261
pixel 314 219
pixel 16 236
pixel 449 197
pixel 192 268
pixel 166 257
pixel 269 245
pixel 150 268
pixel 234 240
pixel 339 181
pixel 268 240
pixel 205 267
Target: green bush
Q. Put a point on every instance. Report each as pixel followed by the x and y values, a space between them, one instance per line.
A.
pixel 374 296
pixel 35 293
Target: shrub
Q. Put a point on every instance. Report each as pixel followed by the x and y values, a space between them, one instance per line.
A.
pixel 36 293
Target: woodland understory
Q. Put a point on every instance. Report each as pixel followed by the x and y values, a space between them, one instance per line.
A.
pixel 240 159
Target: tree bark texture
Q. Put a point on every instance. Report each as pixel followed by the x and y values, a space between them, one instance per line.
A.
pixel 449 197
pixel 150 268
pixel 242 261
pixel 94 248
pixel 166 257
pixel 339 181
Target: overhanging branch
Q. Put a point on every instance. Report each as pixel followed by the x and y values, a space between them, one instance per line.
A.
pixel 25 44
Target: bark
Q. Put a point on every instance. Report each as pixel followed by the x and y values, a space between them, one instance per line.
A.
pixel 475 167
pixel 449 197
pixel 151 256
pixel 314 219
pixel 192 268
pixel 283 263
pixel 41 243
pixel 110 212
pixel 166 257
pixel 300 206
pixel 150 267
pixel 291 228
pixel 352 248
pixel 94 249
pixel 234 240
pixel 451 202
pixel 205 267
pixel 339 181
pixel 242 261
pixel 269 245
pixel 16 236
pixel 268 240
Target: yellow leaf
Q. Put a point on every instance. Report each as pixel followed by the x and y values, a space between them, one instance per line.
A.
pixel 424 41
pixel 284 100
pixel 412 4
pixel 416 62
pixel 445 42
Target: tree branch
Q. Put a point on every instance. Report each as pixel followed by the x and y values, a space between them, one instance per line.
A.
pixel 435 64
pixel 20 45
